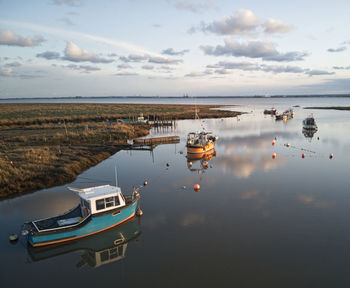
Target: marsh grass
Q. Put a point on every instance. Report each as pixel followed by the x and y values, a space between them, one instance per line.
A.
pixel 44 145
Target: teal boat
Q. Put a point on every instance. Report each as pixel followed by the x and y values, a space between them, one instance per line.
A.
pixel 100 208
pixel 95 251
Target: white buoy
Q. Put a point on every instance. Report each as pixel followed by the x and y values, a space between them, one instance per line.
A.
pixel 145 183
pixel 168 164
pixel 184 187
pixel 190 163
pixel 13 237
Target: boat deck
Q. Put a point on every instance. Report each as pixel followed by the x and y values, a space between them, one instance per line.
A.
pixel 69 218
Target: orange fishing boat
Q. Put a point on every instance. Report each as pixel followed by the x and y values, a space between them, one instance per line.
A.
pixel 201 142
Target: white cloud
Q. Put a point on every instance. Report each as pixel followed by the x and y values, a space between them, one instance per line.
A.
pixel 82 68
pixel 49 55
pixel 7 37
pixel 340 49
pixel 252 49
pixel 162 60
pixel 318 72
pixel 125 74
pixel 275 26
pixel 147 67
pixel 193 7
pixel 172 52
pixel 242 22
pixel 5 72
pixel 124 66
pixel 77 54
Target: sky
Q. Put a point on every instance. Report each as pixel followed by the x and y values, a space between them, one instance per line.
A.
pixel 68 48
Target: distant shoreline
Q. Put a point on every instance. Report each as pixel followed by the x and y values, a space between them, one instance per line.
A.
pixel 180 97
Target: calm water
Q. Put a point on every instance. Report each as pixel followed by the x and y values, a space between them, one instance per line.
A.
pixel 256 222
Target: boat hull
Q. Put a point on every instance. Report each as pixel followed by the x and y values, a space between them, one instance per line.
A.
pixel 200 149
pixel 97 224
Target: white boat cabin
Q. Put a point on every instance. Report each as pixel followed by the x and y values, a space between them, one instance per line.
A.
pixel 100 199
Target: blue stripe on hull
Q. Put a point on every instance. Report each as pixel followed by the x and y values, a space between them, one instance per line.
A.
pixel 94 226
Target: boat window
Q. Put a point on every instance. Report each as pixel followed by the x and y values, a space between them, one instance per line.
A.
pixel 109 202
pixel 116 200
pixel 100 204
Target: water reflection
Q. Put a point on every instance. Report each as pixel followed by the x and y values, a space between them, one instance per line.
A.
pixel 103 248
pixel 200 158
pixel 309 133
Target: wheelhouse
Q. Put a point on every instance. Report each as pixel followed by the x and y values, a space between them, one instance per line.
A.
pixel 100 199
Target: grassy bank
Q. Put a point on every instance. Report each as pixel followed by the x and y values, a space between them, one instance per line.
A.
pixel 44 145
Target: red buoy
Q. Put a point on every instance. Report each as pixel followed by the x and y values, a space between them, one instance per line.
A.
pixel 273 155
pixel 331 156
pixel 273 142
pixel 197 187
pixel 302 155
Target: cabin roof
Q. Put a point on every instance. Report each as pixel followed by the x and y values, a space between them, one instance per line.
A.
pixel 97 192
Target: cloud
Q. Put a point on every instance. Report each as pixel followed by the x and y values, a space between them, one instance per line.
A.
pixel 7 37
pixel 72 3
pixel 125 74
pixel 318 72
pixel 242 22
pixel 162 60
pixel 5 72
pixel 82 68
pixel 76 54
pixel 198 74
pixel 340 49
pixel 223 71
pixel 13 64
pixel 252 49
pixel 193 7
pixel 282 69
pixel 341 68
pixel 124 66
pixel 224 67
pixel 147 67
pixel 150 59
pixel 172 52
pixel 49 55
pixel 274 26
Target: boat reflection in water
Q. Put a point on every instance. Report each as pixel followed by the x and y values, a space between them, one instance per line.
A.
pixel 97 250
pixel 309 133
pixel 202 158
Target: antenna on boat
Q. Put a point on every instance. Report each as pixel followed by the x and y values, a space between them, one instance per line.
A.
pixel 116 176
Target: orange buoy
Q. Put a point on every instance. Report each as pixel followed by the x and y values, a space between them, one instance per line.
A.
pixel 303 155
pixel 273 142
pixel 274 155
pixel 196 187
pixel 331 156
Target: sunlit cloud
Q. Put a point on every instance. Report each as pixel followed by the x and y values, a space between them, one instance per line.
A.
pixel 252 49
pixel 7 37
pixel 275 26
pixel 243 21
pixel 77 54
